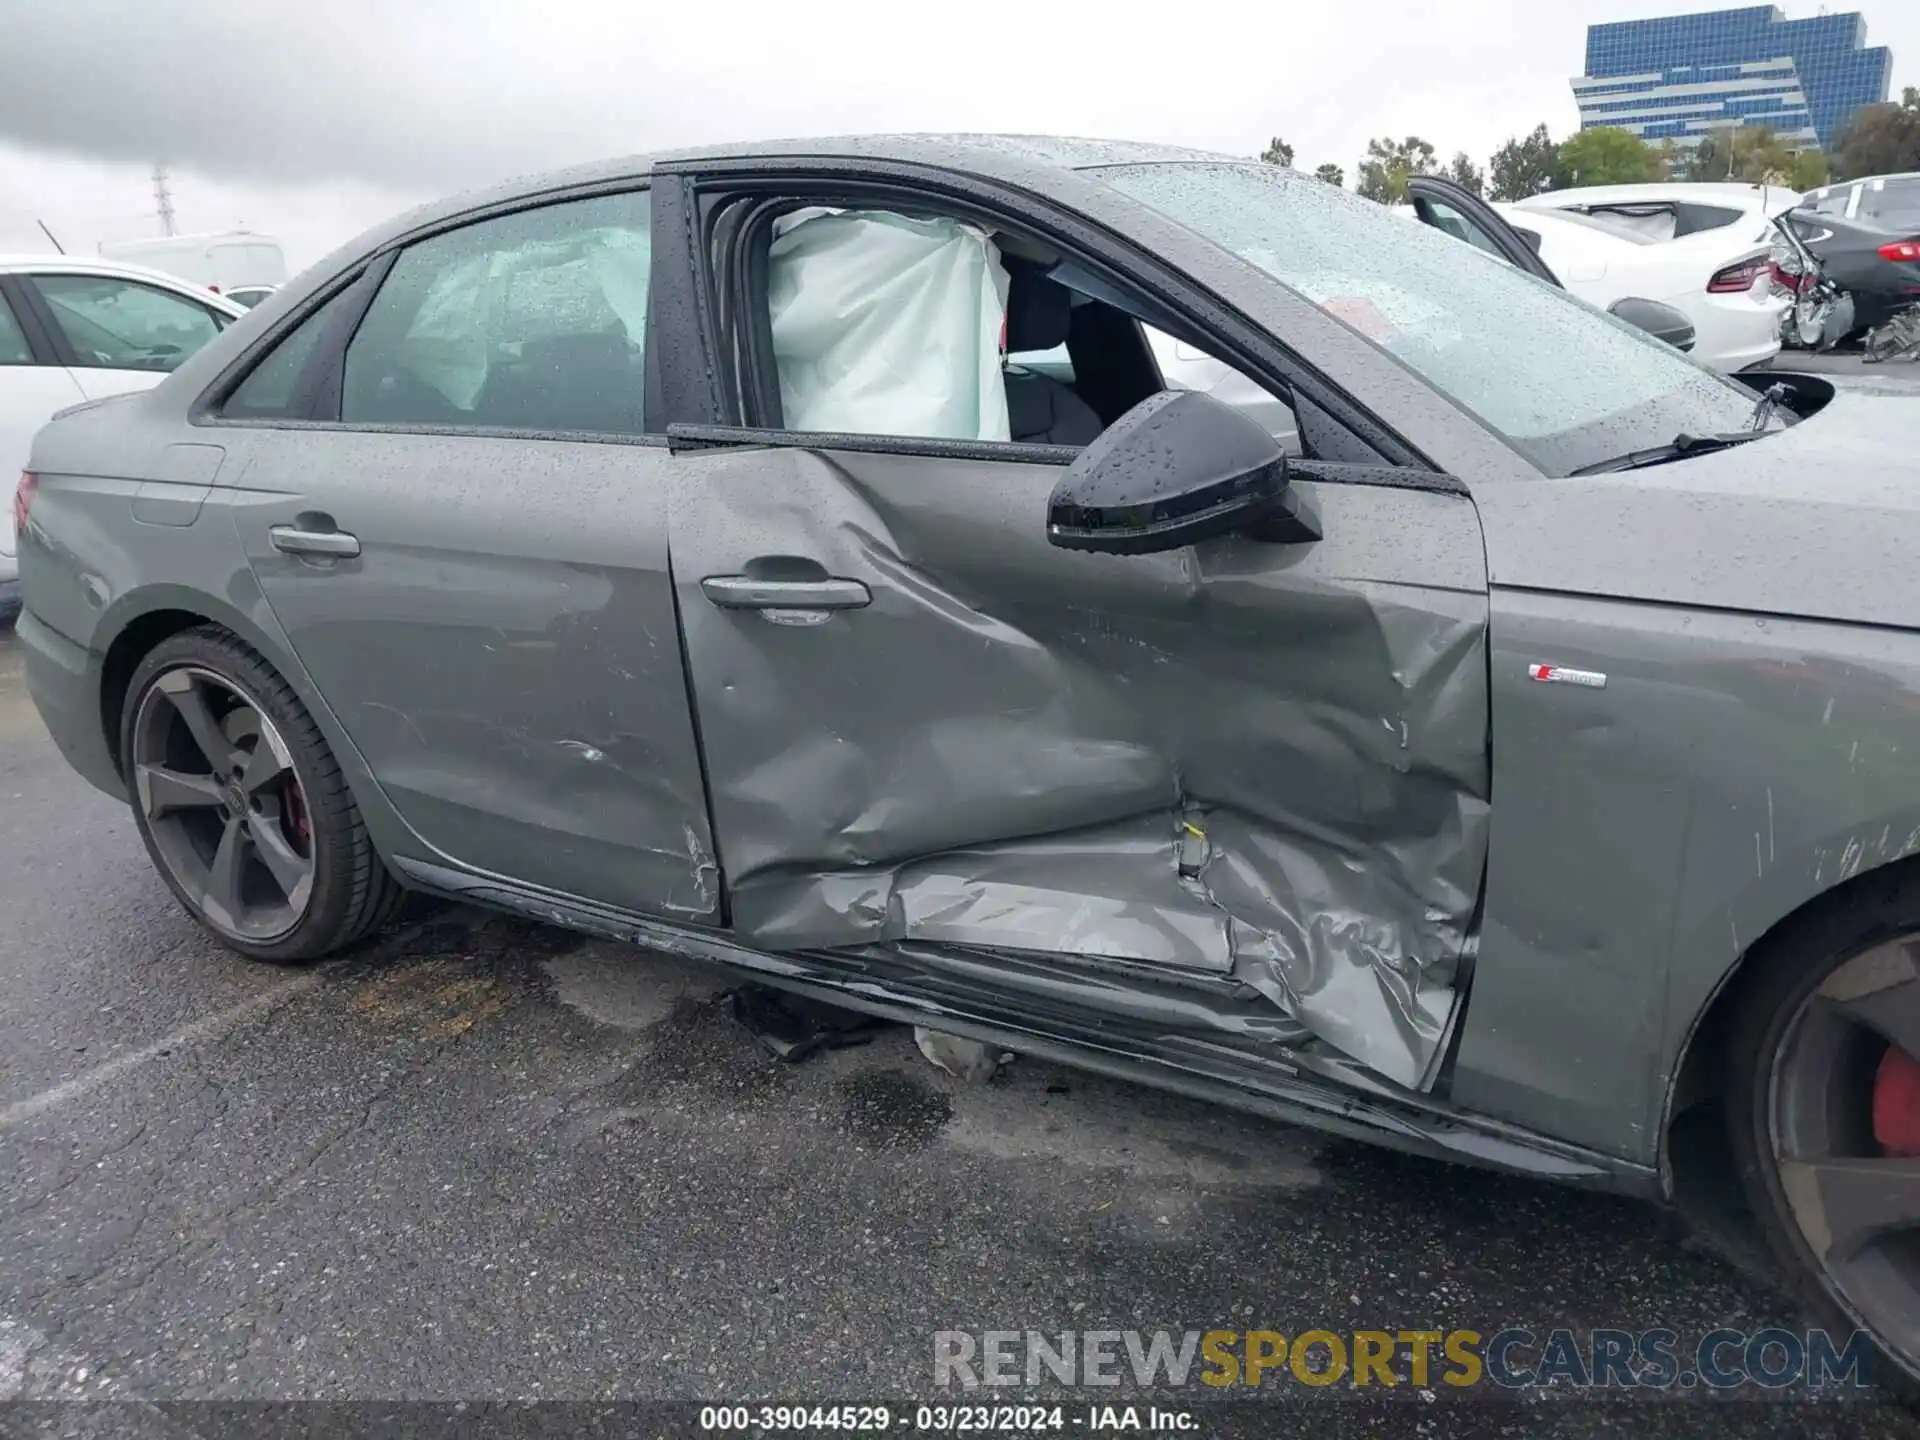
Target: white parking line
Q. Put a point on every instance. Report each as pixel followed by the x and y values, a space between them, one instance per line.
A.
pixel 208 1027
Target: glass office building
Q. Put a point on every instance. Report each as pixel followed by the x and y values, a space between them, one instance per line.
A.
pixel 1680 77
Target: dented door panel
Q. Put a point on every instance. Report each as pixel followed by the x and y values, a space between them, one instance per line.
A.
pixel 502 651
pixel 1248 760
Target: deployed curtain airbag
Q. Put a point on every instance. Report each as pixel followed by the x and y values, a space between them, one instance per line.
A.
pixel 888 326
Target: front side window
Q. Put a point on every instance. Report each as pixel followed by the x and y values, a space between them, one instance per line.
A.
pixel 886 325
pixel 1563 383
pixel 535 320
pixel 1443 216
pixel 116 324
pixel 13 341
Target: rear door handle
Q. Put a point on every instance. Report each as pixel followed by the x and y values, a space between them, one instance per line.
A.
pixel 292 540
pixel 744 592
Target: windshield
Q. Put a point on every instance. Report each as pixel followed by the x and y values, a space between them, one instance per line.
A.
pixel 1563 383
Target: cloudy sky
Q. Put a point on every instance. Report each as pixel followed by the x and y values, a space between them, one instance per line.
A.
pixel 313 121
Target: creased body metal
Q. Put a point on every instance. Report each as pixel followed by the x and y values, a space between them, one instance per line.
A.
pixel 1121 779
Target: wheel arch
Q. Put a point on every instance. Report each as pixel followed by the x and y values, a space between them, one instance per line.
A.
pixel 1695 1155
pixel 140 619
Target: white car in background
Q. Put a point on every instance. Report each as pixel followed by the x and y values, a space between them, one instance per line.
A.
pixel 1676 210
pixel 1606 249
pixel 248 296
pixel 74 329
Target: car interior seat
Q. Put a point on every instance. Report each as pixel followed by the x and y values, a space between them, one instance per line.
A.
pixel 1040 409
pixel 566 382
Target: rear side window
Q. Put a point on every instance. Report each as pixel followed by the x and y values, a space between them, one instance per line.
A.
pixel 13 343
pixel 533 321
pixel 115 324
pixel 1891 202
pixel 1692 218
pixel 268 392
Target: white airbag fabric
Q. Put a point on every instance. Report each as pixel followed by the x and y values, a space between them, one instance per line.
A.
pixel 888 326
pixel 571 286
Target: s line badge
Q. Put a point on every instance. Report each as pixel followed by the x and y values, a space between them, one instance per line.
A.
pixel 1561 675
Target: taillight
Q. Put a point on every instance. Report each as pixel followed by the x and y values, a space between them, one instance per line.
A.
pixel 23 499
pixel 1899 250
pixel 1736 278
pixel 1787 279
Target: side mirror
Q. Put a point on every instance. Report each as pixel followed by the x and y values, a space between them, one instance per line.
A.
pixel 1663 322
pixel 1179 467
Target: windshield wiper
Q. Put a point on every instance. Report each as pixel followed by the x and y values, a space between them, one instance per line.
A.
pixel 1681 447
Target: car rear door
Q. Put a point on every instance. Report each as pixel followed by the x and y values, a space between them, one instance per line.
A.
pixel 1464 215
pixel 1243 762
pixel 450 499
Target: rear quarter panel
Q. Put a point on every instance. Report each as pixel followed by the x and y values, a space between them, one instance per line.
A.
pixel 131 519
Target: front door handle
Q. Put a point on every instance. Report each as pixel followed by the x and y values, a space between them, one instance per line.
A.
pixel 745 592
pixel 334 544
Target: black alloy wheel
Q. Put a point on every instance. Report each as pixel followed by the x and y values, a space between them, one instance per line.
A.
pixel 216 783
pixel 242 806
pixel 1825 1110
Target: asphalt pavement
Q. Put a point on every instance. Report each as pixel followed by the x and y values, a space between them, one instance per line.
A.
pixel 485 1160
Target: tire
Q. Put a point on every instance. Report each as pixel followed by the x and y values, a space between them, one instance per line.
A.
pixel 347 893
pixel 1798 1001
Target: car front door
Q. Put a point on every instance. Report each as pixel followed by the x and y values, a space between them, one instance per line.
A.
pixel 1259 762
pixel 447 492
pixel 1464 215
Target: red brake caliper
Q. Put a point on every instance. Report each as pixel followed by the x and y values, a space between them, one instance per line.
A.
pixel 1896 1103
pixel 296 812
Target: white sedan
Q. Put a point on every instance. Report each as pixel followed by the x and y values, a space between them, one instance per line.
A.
pixel 1717 277
pixel 74 329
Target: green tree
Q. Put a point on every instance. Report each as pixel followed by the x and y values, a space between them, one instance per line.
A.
pixel 1278 152
pixel 1389 164
pixel 1332 174
pixel 1810 171
pixel 1608 155
pixel 1879 139
pixel 1464 173
pixel 1525 166
pixel 1753 153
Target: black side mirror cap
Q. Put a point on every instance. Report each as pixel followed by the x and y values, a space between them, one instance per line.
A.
pixel 1663 322
pixel 1179 467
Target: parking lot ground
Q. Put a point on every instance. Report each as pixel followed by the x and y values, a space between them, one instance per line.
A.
pixel 487 1160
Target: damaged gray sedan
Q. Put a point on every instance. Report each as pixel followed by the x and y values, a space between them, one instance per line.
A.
pixel 1502 740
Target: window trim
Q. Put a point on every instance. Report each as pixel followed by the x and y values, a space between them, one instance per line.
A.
pixel 1209 322
pixel 62 348
pixel 209 406
pixel 684 438
pixel 322 381
pixel 689 439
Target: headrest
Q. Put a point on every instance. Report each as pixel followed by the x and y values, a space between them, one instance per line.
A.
pixel 1039 310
